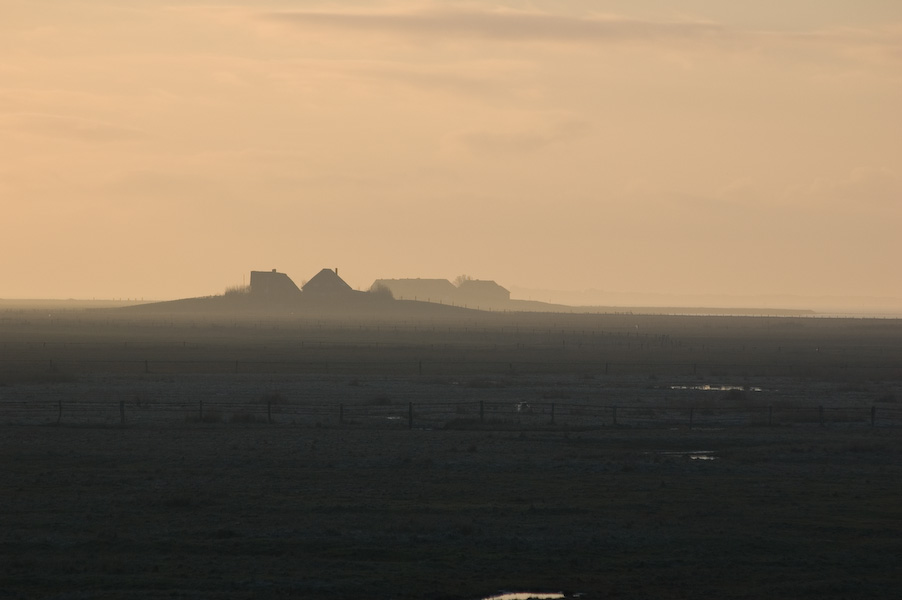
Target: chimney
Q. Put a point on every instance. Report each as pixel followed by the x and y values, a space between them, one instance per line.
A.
pixel 336 270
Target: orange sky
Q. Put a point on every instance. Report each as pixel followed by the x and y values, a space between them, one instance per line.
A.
pixel 165 149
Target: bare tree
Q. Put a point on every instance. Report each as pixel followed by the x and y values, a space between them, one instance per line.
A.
pixel 382 291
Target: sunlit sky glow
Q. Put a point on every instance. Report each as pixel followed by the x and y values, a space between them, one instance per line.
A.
pixel 164 149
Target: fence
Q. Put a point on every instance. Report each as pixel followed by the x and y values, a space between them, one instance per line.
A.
pixel 13 370
pixel 448 415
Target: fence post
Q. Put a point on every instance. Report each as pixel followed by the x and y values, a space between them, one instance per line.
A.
pixel 410 415
pixel 873 415
pixel 481 411
pixel 820 412
pixel 122 412
pixel 691 416
pixel 552 413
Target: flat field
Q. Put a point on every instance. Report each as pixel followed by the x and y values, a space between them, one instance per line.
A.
pixel 152 456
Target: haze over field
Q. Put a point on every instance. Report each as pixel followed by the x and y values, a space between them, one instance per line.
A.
pixel 164 149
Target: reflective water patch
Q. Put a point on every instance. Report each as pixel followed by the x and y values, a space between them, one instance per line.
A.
pixel 693 454
pixel 524 596
pixel 707 387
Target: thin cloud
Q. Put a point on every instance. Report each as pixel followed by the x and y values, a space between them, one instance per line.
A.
pixel 465 79
pixel 485 79
pixel 526 140
pixel 863 187
pixel 441 24
pixel 498 26
pixel 73 128
pixel 874 45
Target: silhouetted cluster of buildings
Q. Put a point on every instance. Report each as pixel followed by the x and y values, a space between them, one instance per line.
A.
pixel 275 285
pixel 472 293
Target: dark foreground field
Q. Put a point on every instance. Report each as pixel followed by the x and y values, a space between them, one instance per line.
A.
pixel 132 501
pixel 255 511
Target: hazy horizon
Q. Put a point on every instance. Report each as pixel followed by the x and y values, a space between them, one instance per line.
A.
pixel 854 306
pixel 161 149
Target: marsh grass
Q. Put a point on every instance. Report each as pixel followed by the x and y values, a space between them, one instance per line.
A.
pixel 24 373
pixel 398 514
pixel 210 416
pixel 463 507
pixel 273 399
pixel 244 417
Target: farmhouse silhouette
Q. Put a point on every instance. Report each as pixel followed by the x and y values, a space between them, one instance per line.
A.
pixel 273 286
pixel 326 293
pixel 471 293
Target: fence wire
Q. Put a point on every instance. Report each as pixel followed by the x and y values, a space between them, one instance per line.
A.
pixel 439 415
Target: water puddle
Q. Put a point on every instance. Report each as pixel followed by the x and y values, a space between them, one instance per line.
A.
pixel 707 387
pixel 524 596
pixel 693 454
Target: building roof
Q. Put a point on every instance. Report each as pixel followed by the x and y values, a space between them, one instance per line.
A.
pixel 481 285
pixel 434 290
pixel 326 281
pixel 481 290
pixel 272 284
